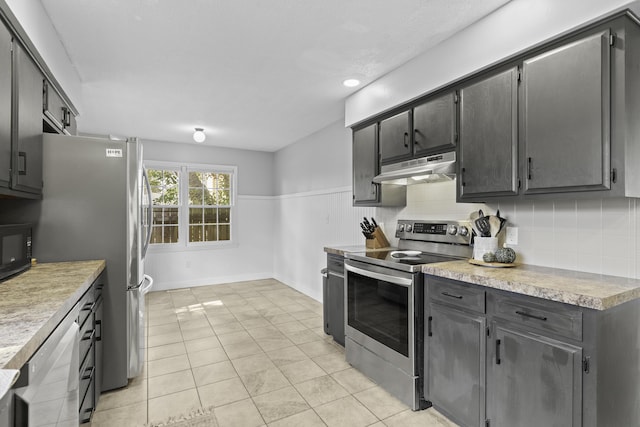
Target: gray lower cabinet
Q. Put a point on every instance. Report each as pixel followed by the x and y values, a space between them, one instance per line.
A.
pixel 333 298
pixel 488 147
pixel 535 380
pixel 91 350
pixel 566 126
pixel 456 363
pixel 497 358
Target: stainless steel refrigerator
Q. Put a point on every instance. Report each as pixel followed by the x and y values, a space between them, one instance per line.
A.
pixel 96 205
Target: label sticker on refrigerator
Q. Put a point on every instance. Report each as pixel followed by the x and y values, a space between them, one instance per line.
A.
pixel 114 152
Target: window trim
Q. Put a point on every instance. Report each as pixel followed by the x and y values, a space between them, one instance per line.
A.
pixel 183 169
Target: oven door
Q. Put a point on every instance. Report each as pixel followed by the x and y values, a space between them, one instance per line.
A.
pixel 380 312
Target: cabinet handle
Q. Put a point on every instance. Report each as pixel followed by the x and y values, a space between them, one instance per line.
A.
pixel 22 166
pixel 429 330
pixel 88 373
pixel 416 141
pixel 99 329
pixel 529 168
pixel 406 139
pixel 533 316
pixel 463 170
pixel 88 335
pixel 67 117
pixel 497 352
pixel 447 294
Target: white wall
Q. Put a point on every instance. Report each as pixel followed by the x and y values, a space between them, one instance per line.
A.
pixel 251 257
pixel 509 30
pixel 597 236
pixel 313 206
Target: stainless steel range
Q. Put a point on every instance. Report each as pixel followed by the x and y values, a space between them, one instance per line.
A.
pixel 385 304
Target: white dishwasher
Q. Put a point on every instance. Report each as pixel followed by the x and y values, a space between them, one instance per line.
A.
pixel 50 395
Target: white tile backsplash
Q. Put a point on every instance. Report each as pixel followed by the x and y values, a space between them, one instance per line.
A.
pixel 596 235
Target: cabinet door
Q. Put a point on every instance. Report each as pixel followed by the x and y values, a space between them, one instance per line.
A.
pixel 335 287
pixel 5 106
pixel 535 381
pixel 55 109
pixel 434 125
pixel 456 364
pixel 365 165
pixel 395 138
pixel 488 144
pixel 566 117
pixel 27 138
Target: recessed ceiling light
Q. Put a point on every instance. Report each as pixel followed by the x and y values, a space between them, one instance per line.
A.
pixel 198 135
pixel 351 82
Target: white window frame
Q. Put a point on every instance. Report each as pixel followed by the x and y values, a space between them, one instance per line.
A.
pixel 183 206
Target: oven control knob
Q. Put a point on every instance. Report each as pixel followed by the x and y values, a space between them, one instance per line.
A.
pixel 401 227
pixel 453 229
pixel 408 228
pixel 463 231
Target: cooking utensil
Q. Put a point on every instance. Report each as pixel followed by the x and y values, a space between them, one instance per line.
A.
pixel 483 225
pixel 503 221
pixel 494 225
pixel 473 216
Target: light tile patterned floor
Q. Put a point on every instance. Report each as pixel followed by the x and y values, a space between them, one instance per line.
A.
pixel 255 351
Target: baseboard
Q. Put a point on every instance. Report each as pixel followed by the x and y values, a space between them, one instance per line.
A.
pixel 160 285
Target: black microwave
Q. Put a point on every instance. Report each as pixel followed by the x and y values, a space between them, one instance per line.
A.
pixel 15 249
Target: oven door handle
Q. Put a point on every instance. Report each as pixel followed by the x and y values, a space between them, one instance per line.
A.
pixel 379 276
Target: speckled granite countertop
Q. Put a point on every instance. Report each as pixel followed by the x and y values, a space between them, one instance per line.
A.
pixel 342 250
pixel 33 303
pixel 588 290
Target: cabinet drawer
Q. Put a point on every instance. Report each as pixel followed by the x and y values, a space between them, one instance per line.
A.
pixel 86 342
pixel 544 316
pixel 335 264
pixel 455 293
pixel 86 307
pixel 87 395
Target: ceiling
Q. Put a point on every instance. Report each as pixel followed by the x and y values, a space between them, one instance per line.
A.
pixel 255 74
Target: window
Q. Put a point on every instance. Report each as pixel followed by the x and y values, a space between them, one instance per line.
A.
pixel 192 204
pixel 209 206
pixel 165 199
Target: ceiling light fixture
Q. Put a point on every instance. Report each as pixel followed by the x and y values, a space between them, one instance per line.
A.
pixel 351 82
pixel 198 135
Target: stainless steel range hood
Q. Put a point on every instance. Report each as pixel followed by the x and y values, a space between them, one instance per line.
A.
pixel 434 168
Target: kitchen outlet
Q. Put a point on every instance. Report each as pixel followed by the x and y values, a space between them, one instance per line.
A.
pixel 512 235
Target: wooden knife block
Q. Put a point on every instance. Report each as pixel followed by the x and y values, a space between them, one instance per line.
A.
pixel 379 240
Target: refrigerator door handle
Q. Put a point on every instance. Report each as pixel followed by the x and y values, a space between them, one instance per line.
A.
pixel 146 289
pixel 145 177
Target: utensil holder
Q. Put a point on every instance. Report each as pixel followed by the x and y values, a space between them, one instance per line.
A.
pixel 483 245
pixel 379 240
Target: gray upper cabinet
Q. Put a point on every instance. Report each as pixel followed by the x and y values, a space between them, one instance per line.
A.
pixel 566 117
pixel 54 107
pixel 365 165
pixel 434 125
pixel 488 147
pixel 395 138
pixel 56 112
pixel 536 381
pixel 5 106
pixel 27 123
